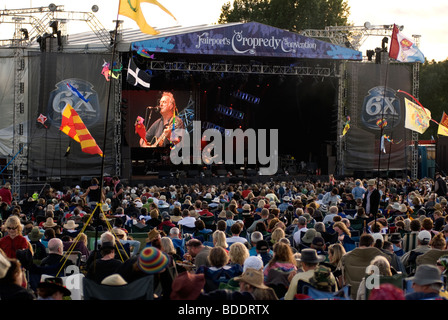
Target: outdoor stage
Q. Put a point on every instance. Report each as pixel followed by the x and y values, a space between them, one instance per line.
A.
pixel 233 76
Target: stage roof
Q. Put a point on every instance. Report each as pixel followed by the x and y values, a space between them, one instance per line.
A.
pixel 250 39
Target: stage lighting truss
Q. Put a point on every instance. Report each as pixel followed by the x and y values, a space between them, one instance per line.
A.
pixel 242 68
pixel 41 20
pixel 236 114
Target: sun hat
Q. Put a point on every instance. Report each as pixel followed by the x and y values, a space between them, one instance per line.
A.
pixel 154 233
pixel 395 237
pixel 49 223
pixel 187 286
pixel 151 260
pixel 55 283
pixel 426 274
pixel 71 225
pixel 35 234
pixel 114 280
pixel 371 182
pixel 310 256
pixel 309 235
pixel 254 277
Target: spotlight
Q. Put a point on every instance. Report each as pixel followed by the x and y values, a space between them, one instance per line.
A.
pixel 95 8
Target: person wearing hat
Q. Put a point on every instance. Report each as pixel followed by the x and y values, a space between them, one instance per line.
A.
pixel 35 236
pixel 154 239
pixel 5 193
pixel 426 283
pixel 371 200
pixel 310 260
pixel 263 250
pixel 70 229
pixel 52 289
pixel 187 286
pixel 397 242
pixel 150 261
pixel 409 258
pixel 252 281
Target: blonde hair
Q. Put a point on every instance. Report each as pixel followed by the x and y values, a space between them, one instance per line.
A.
pixel 220 239
pixel 167 245
pixel 13 222
pixel 341 225
pixel 238 253
pixel 337 251
pixel 277 234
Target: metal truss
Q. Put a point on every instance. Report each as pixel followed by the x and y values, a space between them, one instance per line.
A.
pixel 242 68
pixel 40 25
pixel 349 36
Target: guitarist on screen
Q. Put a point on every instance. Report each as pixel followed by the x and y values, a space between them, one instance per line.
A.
pixel 159 134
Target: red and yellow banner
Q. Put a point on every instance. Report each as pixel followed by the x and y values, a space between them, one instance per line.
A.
pixel 73 126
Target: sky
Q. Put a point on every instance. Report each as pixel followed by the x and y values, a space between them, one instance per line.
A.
pixel 425 18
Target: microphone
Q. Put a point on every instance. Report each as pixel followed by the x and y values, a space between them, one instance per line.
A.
pixel 154 108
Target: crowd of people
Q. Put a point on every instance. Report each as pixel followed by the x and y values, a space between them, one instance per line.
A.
pixel 353 239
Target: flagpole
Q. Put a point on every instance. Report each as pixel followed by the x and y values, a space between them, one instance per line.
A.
pixel 381 135
pixel 108 102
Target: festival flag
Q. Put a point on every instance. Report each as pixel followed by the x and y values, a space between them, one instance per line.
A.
pixel 73 126
pixel 403 48
pixel 42 119
pixel 382 146
pixel 346 126
pixel 76 92
pixel 443 125
pixel 417 117
pixel 132 9
pixel 137 77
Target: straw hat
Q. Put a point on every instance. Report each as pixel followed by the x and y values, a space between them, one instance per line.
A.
pixel 114 280
pixel 49 223
pixel 70 225
pixel 253 277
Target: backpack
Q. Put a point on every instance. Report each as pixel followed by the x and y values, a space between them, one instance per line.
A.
pixel 412 262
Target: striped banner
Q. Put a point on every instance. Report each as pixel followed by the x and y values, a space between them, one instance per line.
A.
pixel 73 126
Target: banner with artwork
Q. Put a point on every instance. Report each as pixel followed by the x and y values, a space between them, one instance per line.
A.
pixel 377 137
pixel 76 80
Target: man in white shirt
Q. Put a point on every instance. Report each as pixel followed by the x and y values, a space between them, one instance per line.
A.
pixel 301 229
pixel 187 220
pixel 333 211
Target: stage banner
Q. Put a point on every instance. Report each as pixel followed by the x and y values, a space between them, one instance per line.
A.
pixel 373 103
pixel 61 79
pixel 250 39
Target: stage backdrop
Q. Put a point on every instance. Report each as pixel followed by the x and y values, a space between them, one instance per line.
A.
pixel 50 73
pixel 372 88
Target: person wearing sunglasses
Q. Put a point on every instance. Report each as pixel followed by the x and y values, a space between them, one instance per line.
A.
pixel 13 240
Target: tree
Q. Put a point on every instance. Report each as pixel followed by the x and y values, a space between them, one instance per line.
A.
pixel 433 93
pixel 293 15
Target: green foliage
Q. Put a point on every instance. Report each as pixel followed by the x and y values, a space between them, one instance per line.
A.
pixel 433 92
pixel 292 15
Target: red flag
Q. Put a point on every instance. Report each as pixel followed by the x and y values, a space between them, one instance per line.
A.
pixel 73 126
pixel 41 119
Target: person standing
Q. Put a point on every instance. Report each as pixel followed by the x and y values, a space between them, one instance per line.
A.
pixel 5 193
pixel 371 201
pixel 440 186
